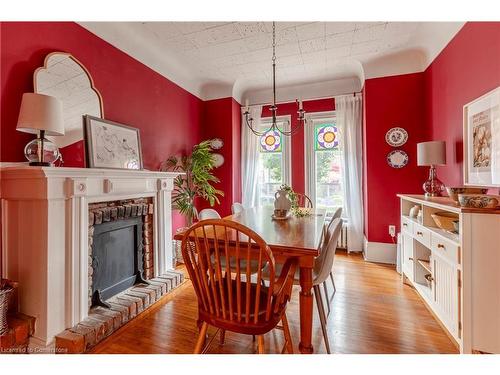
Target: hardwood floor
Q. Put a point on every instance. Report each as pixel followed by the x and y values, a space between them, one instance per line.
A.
pixel 372 312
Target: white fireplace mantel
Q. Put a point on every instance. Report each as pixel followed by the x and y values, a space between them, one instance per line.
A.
pixel 45 235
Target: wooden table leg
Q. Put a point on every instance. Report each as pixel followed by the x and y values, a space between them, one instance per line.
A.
pixel 306 310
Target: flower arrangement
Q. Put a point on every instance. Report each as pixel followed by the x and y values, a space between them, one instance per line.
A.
pixel 296 210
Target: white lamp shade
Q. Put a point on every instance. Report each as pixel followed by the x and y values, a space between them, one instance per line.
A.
pixel 431 153
pixel 40 112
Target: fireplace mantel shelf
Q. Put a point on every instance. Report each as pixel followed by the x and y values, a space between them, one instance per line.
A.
pixel 25 182
pixel 25 171
pixel 45 222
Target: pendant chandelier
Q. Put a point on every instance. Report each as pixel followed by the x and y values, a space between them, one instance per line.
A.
pixel 285 129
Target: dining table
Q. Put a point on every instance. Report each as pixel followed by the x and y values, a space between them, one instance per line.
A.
pixel 295 236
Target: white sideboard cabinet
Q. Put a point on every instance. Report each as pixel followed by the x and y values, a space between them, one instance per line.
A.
pixel 456 274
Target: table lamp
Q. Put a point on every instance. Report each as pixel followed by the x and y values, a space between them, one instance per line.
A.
pixel 431 154
pixel 41 115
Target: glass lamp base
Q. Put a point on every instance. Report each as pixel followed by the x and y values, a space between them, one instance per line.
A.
pixel 41 152
pixel 433 187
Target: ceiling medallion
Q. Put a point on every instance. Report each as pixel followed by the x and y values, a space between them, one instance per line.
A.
pixel 285 129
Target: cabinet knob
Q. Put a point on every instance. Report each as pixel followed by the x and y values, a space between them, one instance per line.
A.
pixel 405 225
pixel 429 277
pixel 420 233
pixel 440 246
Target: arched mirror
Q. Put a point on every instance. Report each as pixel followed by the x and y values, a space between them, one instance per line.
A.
pixel 65 78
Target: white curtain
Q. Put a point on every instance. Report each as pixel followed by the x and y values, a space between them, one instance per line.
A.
pixel 249 158
pixel 349 116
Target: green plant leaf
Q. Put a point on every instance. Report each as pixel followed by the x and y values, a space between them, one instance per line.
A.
pixel 197 180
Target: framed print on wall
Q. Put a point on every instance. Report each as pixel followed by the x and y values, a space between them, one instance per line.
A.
pixel 111 145
pixel 482 140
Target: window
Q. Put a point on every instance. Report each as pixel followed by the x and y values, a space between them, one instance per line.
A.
pixel 324 163
pixel 273 163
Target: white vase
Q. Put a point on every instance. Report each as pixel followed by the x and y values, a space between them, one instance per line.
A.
pixel 414 211
pixel 281 201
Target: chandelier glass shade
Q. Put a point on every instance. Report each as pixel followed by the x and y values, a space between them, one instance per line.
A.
pixel 286 128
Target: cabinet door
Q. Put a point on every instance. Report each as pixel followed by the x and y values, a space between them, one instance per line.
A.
pixel 407 255
pixel 446 292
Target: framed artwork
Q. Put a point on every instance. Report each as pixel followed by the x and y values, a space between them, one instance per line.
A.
pixel 111 145
pixel 482 140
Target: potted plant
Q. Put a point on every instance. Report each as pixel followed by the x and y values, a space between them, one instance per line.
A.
pixel 196 182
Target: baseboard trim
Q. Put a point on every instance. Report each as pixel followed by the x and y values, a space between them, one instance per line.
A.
pixel 379 252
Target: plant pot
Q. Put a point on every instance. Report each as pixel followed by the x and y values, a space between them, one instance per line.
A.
pixel 5 294
pixel 178 247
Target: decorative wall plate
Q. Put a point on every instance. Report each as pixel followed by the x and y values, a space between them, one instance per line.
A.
pixel 396 137
pixel 397 159
pixel 216 143
pixel 218 160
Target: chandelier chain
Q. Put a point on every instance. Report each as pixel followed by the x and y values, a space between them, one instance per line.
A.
pixel 273 108
pixel 274 42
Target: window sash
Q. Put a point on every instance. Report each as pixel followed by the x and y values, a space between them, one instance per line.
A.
pixel 313 121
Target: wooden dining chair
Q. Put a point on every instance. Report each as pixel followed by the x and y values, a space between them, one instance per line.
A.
pixel 232 300
pixel 304 201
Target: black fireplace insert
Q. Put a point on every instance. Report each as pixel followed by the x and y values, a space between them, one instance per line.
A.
pixel 116 258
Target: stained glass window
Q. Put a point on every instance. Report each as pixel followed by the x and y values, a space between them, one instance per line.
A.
pixel 326 137
pixel 270 141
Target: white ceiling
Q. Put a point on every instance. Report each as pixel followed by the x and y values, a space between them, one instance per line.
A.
pixel 220 59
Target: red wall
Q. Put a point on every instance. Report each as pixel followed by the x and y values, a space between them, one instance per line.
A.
pixel 236 145
pixel 389 102
pixel 466 69
pixel 222 119
pixel 298 161
pixel 429 105
pixel 168 117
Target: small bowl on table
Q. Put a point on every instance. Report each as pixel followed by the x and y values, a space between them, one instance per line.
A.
pixel 444 220
pixel 454 191
pixel 478 200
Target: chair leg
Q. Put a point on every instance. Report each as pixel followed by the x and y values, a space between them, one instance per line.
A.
pixel 288 337
pixel 333 282
pixel 326 297
pixel 222 336
pixel 322 318
pixel 201 338
pixel 260 341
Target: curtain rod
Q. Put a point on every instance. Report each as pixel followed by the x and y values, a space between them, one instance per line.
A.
pixel 308 100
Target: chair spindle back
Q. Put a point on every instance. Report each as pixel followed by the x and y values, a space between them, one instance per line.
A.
pixel 224 288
